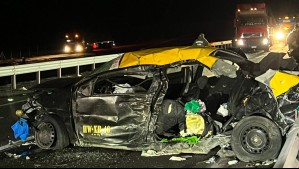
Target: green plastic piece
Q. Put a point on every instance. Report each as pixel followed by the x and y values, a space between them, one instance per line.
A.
pixel 192 106
pixel 190 140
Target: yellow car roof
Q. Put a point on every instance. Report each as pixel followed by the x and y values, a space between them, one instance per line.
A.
pixel 168 55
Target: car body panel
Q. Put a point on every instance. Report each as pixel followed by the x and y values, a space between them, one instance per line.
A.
pixel 157 56
pixel 114 118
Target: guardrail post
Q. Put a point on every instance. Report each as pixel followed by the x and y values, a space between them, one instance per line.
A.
pixel 38 77
pixel 59 73
pixel 93 66
pixel 14 81
pixel 78 71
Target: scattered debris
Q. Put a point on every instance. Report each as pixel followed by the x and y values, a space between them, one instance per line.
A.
pixel 225 153
pixel 204 146
pixel 149 153
pixel 175 158
pixel 13 144
pixel 23 88
pixel 269 162
pixel 258 164
pixel 232 162
pixel 186 156
pixel 12 155
pixel 211 160
pixel 153 153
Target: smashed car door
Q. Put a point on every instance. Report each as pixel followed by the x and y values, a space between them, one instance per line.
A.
pixel 117 110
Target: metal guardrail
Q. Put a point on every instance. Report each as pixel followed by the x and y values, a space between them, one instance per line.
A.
pixel 13 71
pixel 222 44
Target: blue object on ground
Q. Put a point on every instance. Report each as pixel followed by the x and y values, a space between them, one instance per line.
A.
pixel 21 129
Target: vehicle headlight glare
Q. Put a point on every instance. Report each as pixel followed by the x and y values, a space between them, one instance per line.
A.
pixel 240 42
pixel 79 48
pixel 279 35
pixel 265 41
pixel 67 49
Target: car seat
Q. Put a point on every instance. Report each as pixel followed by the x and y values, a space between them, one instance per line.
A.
pixel 192 90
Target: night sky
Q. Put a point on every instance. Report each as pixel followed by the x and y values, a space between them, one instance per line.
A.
pixel 28 23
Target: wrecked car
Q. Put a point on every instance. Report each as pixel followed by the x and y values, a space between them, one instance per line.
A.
pixel 138 99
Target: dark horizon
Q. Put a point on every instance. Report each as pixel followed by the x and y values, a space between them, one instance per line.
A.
pixel 43 24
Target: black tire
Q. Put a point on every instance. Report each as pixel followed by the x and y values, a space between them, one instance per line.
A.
pixel 267 143
pixel 51 133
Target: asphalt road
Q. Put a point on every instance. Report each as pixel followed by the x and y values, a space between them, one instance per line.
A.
pixel 78 157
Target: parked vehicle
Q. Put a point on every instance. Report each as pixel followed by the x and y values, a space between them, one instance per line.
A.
pixel 135 101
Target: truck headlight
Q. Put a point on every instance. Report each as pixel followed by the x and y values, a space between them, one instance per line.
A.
pixel 67 49
pixel 240 42
pixel 265 41
pixel 79 48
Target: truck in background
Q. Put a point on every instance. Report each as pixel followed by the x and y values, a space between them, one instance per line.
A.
pixel 254 27
pixel 74 43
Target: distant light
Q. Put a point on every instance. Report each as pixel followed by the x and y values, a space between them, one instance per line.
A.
pixel 68 40
pixel 286 17
pixel 10 99
pixel 76 35
pixel 94 45
pixel 254 8
pixel 239 10
pixel 67 49
pixel 66 36
pixel 240 42
pixel 79 48
pixel 251 9
pixel 294 17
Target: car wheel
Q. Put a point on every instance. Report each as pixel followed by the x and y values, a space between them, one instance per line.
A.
pixel 51 133
pixel 256 138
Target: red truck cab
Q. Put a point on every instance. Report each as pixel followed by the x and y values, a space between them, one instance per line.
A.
pixel 253 27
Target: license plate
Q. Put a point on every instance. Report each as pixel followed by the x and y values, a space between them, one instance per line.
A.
pixel 253 46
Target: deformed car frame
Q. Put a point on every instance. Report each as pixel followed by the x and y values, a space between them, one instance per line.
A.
pixel 133 101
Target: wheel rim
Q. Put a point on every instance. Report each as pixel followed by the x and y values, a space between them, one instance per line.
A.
pixel 45 135
pixel 255 139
